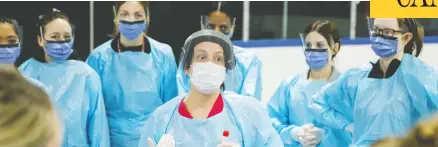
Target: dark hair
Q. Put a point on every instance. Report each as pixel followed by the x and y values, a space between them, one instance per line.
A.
pixel 389 142
pixel 413 26
pixel 119 4
pixel 14 24
pixel 45 19
pixel 224 8
pixel 48 17
pixel 328 31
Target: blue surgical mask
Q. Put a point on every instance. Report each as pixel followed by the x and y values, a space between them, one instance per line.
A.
pixel 316 58
pixel 384 47
pixel 59 50
pixel 9 53
pixel 131 30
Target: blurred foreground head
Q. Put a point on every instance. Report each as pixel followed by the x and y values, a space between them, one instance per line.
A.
pixel 389 142
pixel 27 118
pixel 425 134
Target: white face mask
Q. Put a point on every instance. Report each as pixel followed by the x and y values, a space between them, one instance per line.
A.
pixel 207 77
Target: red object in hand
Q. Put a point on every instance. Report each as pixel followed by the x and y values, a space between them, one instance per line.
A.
pixel 225 133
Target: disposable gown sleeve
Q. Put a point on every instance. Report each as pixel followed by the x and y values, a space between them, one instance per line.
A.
pixel 252 84
pixel 168 85
pixel 97 126
pixel 333 105
pixel 423 90
pixel 328 139
pixel 272 139
pixel 279 113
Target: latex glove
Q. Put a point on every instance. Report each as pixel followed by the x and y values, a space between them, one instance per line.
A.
pixel 228 144
pixel 297 132
pixel 165 141
pixel 350 128
pixel 312 136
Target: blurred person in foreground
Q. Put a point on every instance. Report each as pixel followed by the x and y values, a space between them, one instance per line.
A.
pixel 27 117
pixel 424 134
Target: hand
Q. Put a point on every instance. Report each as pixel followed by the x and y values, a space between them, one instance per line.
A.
pixel 165 141
pixel 297 132
pixel 350 129
pixel 228 144
pixel 313 135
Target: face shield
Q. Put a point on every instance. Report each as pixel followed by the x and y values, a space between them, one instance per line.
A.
pixel 19 30
pixel 386 33
pixel 206 58
pixel 11 51
pixel 131 17
pixel 60 48
pixel 220 23
pixel 316 57
pixel 384 39
pixel 60 39
pixel 20 35
pixel 131 26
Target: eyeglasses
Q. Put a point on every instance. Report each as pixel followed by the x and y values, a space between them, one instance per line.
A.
pixel 385 32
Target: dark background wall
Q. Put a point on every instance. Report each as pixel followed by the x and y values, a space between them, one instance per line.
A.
pixel 27 14
pixel 173 21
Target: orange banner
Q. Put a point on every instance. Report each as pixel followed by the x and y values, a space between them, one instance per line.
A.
pixel 404 8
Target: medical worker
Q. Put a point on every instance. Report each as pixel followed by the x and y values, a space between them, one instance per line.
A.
pixel 207 116
pixel 10 46
pixel 247 74
pixel 137 72
pixel 73 85
pixel 386 97
pixel 288 107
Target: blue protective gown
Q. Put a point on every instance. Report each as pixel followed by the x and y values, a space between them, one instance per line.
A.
pixel 379 108
pixel 134 85
pixel 244 117
pixel 246 77
pixel 288 108
pixel 76 91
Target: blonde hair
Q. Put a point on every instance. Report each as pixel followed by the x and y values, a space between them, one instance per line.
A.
pixel 389 142
pixel 27 118
pixel 425 134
